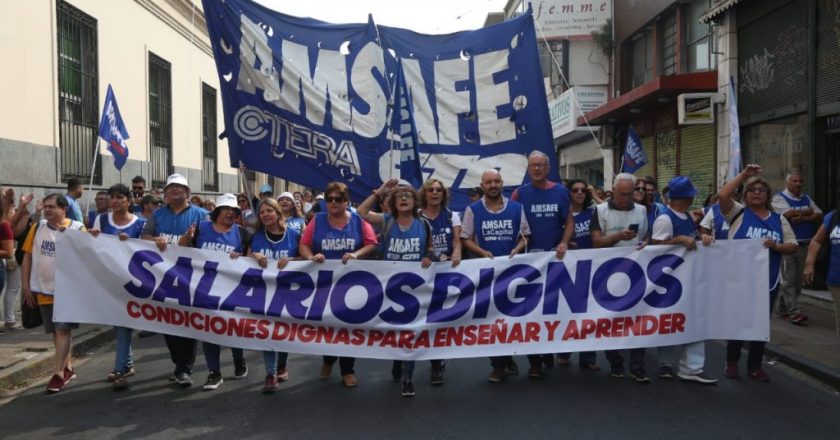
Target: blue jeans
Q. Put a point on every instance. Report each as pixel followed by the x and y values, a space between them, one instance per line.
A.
pixel 272 359
pixel 125 357
pixel 212 355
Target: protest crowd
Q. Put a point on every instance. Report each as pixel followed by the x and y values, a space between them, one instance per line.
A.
pixel 398 222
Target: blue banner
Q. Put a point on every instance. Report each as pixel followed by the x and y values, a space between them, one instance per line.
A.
pixel 112 129
pixel 634 154
pixel 314 102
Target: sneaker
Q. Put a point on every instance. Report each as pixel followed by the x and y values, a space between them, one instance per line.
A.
pixel 407 389
pixel 535 372
pixel 283 374
pixel 213 381
pixel 590 367
pixel 183 379
pixel 120 382
pixel 69 375
pixel 349 380
pixel 639 375
pixel 436 378
pixel 665 372
pixel 497 375
pixel 396 370
pixel 326 370
pixel 700 377
pixel 759 375
pixel 57 383
pixel 617 371
pixel 797 318
pixel 562 362
pixel 128 373
pixel 271 384
pixel 731 371
pixel 511 369
pixel 240 369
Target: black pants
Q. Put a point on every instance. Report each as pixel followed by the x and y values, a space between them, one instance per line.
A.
pixel 345 364
pixel 637 358
pixel 501 361
pixel 537 360
pixel 182 352
pixel 756 350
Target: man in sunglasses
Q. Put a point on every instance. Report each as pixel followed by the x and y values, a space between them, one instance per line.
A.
pixel 546 207
pixel 138 189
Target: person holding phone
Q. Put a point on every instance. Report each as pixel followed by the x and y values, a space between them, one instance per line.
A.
pixel 616 223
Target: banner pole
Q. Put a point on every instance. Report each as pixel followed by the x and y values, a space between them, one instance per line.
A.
pixel 92 172
pixel 391 108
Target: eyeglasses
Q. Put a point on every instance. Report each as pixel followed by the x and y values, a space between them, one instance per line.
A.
pixel 241 201
pixel 332 199
pixel 640 189
pixel 578 190
pixel 404 195
pixel 757 189
pixel 623 194
pixel 434 190
pixel 538 165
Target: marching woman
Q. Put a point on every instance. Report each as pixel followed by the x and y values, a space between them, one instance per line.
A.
pixel 582 210
pixel 337 234
pixel 446 230
pixel 405 237
pixel 755 219
pixel 122 223
pixel 713 222
pixel 276 243
pixel 292 215
pixel 222 234
pixel 827 235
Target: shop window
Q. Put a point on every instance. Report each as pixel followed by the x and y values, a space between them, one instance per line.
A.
pixel 698 37
pixel 778 146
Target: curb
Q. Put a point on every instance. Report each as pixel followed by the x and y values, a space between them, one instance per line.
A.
pixel 42 362
pixel 827 375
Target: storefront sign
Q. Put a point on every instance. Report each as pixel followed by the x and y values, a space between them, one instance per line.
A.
pixel 571 19
pixel 564 111
pixel 696 108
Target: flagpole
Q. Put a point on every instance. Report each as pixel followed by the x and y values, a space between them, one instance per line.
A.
pixel 92 172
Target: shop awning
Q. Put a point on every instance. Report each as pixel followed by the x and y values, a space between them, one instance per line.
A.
pixel 719 8
pixel 653 94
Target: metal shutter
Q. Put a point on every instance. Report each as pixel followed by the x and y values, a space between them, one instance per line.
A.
pixel 828 57
pixel 697 158
pixel 666 157
pixel 772 56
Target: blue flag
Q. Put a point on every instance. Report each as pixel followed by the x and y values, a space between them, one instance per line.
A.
pixel 112 129
pixel 634 154
pixel 314 102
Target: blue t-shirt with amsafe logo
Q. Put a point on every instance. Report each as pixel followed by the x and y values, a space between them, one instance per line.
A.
pixel 166 223
pixel 833 278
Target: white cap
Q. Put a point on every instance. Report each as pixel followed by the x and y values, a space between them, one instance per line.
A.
pixel 228 200
pixel 319 197
pixel 287 195
pixel 176 179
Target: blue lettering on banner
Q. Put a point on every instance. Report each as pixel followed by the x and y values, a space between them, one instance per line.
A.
pixel 361 103
pixel 515 291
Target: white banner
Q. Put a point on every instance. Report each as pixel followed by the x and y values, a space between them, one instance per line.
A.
pixel 592 300
pixel 571 19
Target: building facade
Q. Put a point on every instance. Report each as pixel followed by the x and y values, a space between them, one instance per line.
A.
pixel 156 56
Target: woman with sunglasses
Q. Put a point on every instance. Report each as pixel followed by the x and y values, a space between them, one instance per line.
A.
pixel 221 234
pixel 337 234
pixel 582 210
pixel 405 237
pixel 248 219
pixel 292 215
pixel 755 219
pixel 276 243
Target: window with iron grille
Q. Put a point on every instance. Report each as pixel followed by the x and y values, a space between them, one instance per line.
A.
pixel 698 39
pixel 78 93
pixel 668 32
pixel 160 119
pixel 642 61
pixel 208 138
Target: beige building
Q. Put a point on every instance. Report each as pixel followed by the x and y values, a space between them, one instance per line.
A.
pixel 61 56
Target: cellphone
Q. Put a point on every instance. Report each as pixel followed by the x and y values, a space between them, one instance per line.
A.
pixel 634 227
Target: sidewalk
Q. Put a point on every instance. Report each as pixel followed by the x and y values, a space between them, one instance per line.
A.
pixel 813 348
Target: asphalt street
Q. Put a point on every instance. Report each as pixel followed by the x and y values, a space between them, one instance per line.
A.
pixel 566 403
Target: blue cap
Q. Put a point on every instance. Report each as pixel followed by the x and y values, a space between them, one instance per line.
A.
pixel 266 188
pixel 680 187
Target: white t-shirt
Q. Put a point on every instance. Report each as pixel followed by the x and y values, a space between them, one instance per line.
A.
pixel 663 228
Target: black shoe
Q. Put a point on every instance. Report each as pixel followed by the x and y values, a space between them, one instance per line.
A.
pixel 617 371
pixel 396 370
pixel 436 378
pixel 240 369
pixel 700 377
pixel 665 372
pixel 407 389
pixel 639 375
pixel 213 381
pixel 183 379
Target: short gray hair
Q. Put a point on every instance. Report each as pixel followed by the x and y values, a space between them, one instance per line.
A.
pixel 538 153
pixel 624 177
pixel 793 172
